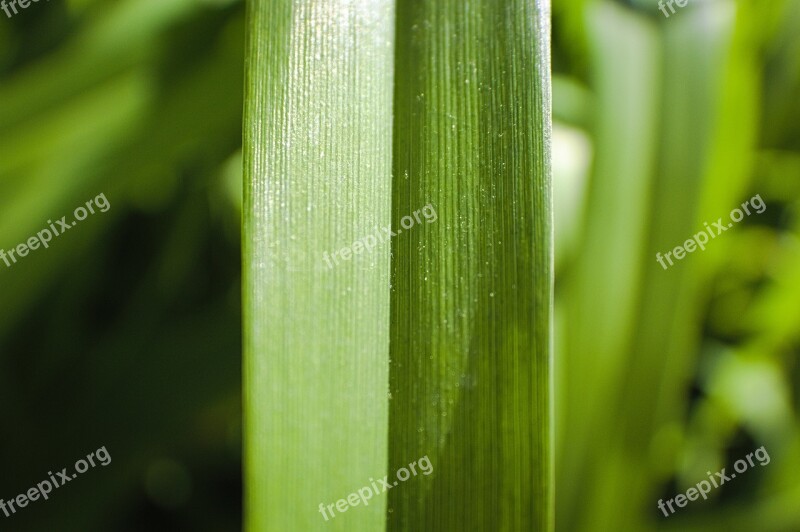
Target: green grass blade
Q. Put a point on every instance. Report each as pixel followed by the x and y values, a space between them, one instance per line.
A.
pixel 602 287
pixel 646 394
pixel 317 152
pixel 470 376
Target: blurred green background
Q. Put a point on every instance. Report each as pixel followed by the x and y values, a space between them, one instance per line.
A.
pixel 662 124
pixel 125 333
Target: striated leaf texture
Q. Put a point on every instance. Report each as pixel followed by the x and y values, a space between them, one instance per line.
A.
pixel 317 152
pixel 471 292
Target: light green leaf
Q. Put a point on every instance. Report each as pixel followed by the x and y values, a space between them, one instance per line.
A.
pixel 317 154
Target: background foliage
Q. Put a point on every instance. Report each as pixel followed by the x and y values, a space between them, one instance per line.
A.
pixel 662 124
pixel 126 331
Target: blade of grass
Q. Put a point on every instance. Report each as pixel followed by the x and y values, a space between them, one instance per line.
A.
pixel 317 153
pixel 119 36
pixel 603 285
pixel 470 376
pixel 666 336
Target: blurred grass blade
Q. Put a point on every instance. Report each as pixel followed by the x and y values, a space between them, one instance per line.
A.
pixel 317 153
pixel 470 376
pixel 120 36
pixel 603 286
pixel 649 395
